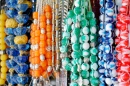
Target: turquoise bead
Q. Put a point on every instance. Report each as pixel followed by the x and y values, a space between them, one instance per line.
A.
pixel 90 15
pixel 77 3
pixel 84 38
pixel 66 60
pixel 84 23
pixel 73 62
pixel 74 39
pixel 74 76
pixel 68 67
pixel 93 51
pixel 77 10
pixel 66 35
pixel 63 49
pixel 79 61
pixel 74 19
pixel 76 32
pixel 70 14
pixel 84 74
pixel 75 46
pixel 94 74
pixel 94 81
pixel 74 84
pixel 93 37
pixel 93 29
pixel 64 41
pixel 85 53
pixel 93 59
pixel 92 22
pixel 94 66
pixel 67 28
pixel 85 30
pixel 85 66
pixel 74 69
pixel 76 54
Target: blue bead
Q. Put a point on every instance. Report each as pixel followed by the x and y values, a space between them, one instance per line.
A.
pixel 11 3
pixel 100 55
pixel 102 10
pixel 21 59
pixel 22 18
pixel 11 63
pixel 101 70
pixel 102 78
pixel 22 68
pixel 11 13
pixel 14 52
pixel 20 30
pixel 101 63
pixel 24 47
pixel 22 80
pixel 22 7
pixel 9 40
pixel 110 4
pixel 108 33
pixel 9 31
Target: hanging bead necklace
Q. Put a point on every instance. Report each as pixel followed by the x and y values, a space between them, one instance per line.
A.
pixel 3 55
pixel 17 40
pixel 107 62
pixel 122 42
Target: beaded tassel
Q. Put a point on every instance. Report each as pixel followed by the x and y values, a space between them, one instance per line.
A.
pixel 123 44
pixel 80 25
pixel 17 40
pixel 3 46
pixel 107 62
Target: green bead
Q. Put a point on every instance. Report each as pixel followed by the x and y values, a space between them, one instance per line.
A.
pixel 85 30
pixel 65 60
pixel 93 59
pixel 68 67
pixel 74 84
pixel 77 3
pixel 74 19
pixel 63 49
pixel 84 74
pixel 94 66
pixel 76 54
pixel 79 61
pixel 74 76
pixel 93 37
pixel 66 35
pixel 84 23
pixel 75 46
pixel 94 51
pixel 85 66
pixel 74 39
pixel 90 15
pixel 94 81
pixel 93 30
pixel 73 62
pixel 70 14
pixel 74 69
pixel 94 74
pixel 92 22
pixel 76 32
pixel 85 53
pixel 77 10
pixel 84 38
pixel 67 28
pixel 64 41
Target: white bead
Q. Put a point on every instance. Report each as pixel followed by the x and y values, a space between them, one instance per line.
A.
pixel 94 66
pixel 86 46
pixel 86 60
pixel 117 32
pixel 85 30
pixel 35 21
pixel 73 39
pixel 85 67
pixel 108 27
pixel 73 26
pixel 42 31
pixel 96 75
pixel 85 82
pixel 31 66
pixel 48 21
pixel 113 73
pixel 36 46
pixel 79 68
pixel 93 30
pixel 69 21
pixel 49 48
pixel 49 69
pixel 76 4
pixel 77 25
pixel 32 47
pixel 34 81
pixel 108 81
pixel 65 27
pixel 116 84
pixel 36 66
pixel 42 57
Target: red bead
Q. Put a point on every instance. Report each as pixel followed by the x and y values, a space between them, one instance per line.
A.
pixel 123 9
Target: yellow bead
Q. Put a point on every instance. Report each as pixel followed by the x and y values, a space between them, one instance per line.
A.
pixel 2 29
pixel 21 39
pixel 3 17
pixel 3 47
pixel 2 41
pixel 3 63
pixel 28 3
pixel 3 75
pixel 2 35
pixel 4 57
pixel 4 69
pixel 2 23
pixel 11 23
pixel 2 81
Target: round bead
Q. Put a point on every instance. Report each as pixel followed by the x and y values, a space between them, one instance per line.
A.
pixel 42 57
pixel 85 46
pixel 85 66
pixel 71 14
pixel 90 15
pixel 94 51
pixel 84 74
pixel 74 69
pixel 93 30
pixel 75 47
pixel 85 53
pixel 74 84
pixel 93 58
pixel 94 81
pixel 63 49
pixel 65 61
pixel 76 54
pixel 68 67
pixel 94 66
pixel 77 10
pixel 94 74
pixel 108 81
pixel 84 38
pixel 85 30
pixel 85 82
pixel 74 76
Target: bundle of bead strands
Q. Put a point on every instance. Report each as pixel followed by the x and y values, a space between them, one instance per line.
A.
pixel 3 46
pixel 41 43
pixel 17 41
pixel 77 26
pixel 123 44
pixel 107 62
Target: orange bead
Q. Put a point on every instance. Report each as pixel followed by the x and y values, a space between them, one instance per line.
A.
pixel 49 28
pixel 36 60
pixel 30 72
pixel 32 40
pixel 45 74
pixel 30 59
pixel 42 44
pixel 42 50
pixel 49 42
pixel 36 73
pixel 35 15
pixel 49 62
pixel 44 64
pixel 33 54
pixel 33 27
pixel 42 18
pixel 43 37
pixel 47 8
pixel 48 15
pixel 37 54
pixel 37 39
pixel 49 35
pixel 42 24
pixel 49 55
pixel 37 32
pixel 32 34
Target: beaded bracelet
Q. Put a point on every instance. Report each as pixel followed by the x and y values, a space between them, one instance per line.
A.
pixel 107 62
pixel 122 42
pixel 3 46
pixel 17 40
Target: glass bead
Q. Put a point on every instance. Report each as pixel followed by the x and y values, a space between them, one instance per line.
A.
pixel 22 80
pixel 74 76
pixel 94 74
pixel 63 49
pixel 76 32
pixel 11 63
pixel 93 30
pixel 93 37
pixel 3 46
pixel 3 63
pixel 21 59
pixel 109 12
pixel 20 30
pixel 93 58
pixel 22 68
pixel 64 41
pixel 95 81
pixel 22 18
pixel 65 60
pixel 76 54
pixel 85 30
pixel 74 84
pixel 3 76
pixel 77 3
pixel 9 31
pixel 94 66
pixel 4 69
pixel 68 67
pixel 84 23
pixel 92 22
pixel 2 23
pixel 75 46
pixel 84 38
pixel 4 57
pixel 21 7
pixel 70 14
pixel 90 15
pixel 77 10
pixel 84 74
pixel 74 39
pixel 94 51
pixel 11 13
pixel 85 46
pixel 109 4
pixel 85 66
pixel 3 17
pixel 85 53
pixel 2 81
pixel 11 3
pixel 66 35
pixel 67 28
pixel 74 69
